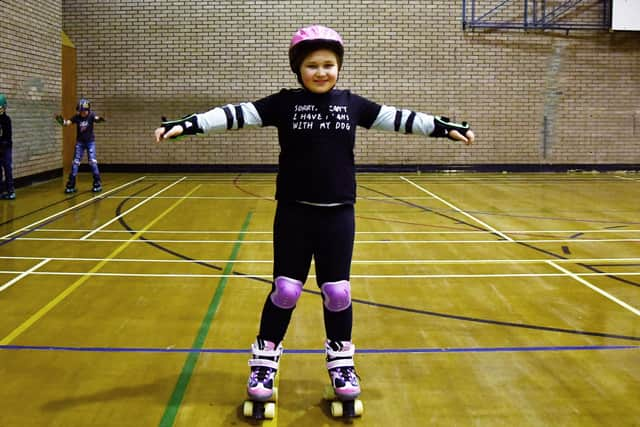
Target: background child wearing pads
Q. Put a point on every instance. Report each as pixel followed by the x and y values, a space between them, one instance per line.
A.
pixel 85 141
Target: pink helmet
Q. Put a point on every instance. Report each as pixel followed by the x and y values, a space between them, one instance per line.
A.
pixel 308 39
pixel 315 32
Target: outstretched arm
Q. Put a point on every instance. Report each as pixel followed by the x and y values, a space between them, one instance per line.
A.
pixel 61 121
pixel 406 121
pixel 218 119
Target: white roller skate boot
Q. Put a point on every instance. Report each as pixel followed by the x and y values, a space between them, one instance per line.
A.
pixel 342 372
pixel 264 366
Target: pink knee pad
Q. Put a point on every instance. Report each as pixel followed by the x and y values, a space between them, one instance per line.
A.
pixel 286 293
pixel 337 295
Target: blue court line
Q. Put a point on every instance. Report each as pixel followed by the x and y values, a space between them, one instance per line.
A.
pixel 315 351
pixel 56 217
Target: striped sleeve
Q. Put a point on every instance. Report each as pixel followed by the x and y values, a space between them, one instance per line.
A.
pixel 403 121
pixel 229 117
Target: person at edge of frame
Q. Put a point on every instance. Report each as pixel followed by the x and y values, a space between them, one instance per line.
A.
pixel 6 152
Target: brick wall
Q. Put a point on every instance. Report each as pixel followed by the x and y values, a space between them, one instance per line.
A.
pixel 534 98
pixel 30 56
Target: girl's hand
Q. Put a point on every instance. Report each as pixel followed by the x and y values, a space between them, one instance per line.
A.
pixel 161 133
pixel 467 138
pixel 444 127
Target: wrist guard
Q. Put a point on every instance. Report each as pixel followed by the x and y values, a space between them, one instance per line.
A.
pixel 60 120
pixel 442 127
pixel 100 119
pixel 189 125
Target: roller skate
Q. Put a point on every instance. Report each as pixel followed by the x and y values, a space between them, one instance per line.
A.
pixel 97 185
pixel 345 387
pixel 71 185
pixel 261 388
pixel 10 195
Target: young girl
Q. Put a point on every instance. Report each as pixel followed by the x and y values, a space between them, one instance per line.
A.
pixel 6 148
pixel 85 140
pixel 315 193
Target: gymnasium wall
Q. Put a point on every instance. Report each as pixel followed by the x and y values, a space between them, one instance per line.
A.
pixel 532 97
pixel 30 76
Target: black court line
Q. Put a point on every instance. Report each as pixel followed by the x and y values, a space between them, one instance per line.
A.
pixel 525 244
pixel 50 205
pixel 126 226
pixel 54 218
pixel 497 322
pixel 388 306
pixel 615 265
pixel 619 224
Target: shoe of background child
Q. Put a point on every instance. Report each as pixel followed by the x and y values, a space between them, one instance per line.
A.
pixel 97 185
pixel 71 185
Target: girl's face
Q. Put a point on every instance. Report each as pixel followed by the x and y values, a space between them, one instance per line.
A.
pixel 84 113
pixel 319 71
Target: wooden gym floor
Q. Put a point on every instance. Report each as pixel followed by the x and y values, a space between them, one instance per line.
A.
pixel 479 299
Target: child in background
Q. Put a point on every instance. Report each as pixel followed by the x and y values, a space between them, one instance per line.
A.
pixel 85 140
pixel 315 193
pixel 6 145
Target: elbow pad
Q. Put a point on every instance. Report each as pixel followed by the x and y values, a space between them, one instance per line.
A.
pixel 189 125
pixel 442 127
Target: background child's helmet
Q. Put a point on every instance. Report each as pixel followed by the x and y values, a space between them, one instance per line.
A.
pixel 308 39
pixel 83 105
pixel 3 101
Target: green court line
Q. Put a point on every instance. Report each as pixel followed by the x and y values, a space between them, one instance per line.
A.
pixel 170 412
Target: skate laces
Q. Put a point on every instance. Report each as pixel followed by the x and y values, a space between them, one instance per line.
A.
pixel 265 360
pixel 261 373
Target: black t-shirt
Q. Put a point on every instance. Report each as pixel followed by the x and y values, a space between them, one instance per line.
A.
pixel 84 126
pixel 316 133
pixel 5 130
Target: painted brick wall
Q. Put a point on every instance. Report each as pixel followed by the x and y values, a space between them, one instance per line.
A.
pixel 30 56
pixel 532 97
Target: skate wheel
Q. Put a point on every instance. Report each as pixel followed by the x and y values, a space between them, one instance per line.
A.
pixel 336 408
pixel 247 408
pixel 347 408
pixel 270 410
pixel 358 407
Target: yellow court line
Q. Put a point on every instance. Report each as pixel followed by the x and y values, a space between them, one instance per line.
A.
pixel 54 302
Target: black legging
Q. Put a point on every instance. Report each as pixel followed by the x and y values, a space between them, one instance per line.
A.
pixel 301 232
